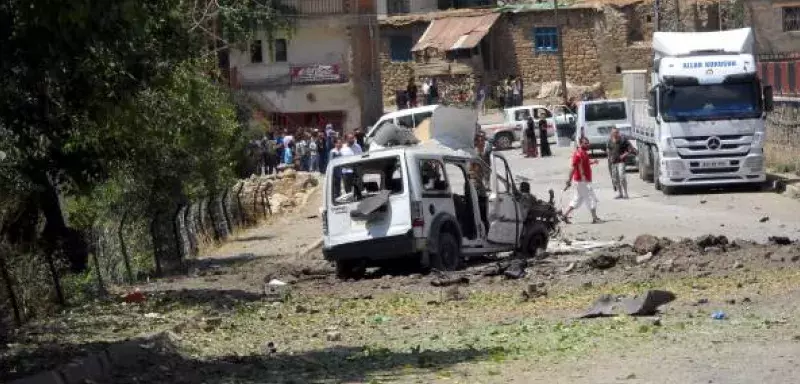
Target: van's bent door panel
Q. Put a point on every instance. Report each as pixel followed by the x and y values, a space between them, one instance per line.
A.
pixel 393 219
pixel 504 216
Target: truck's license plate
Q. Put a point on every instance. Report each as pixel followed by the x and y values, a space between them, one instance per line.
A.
pixel 714 164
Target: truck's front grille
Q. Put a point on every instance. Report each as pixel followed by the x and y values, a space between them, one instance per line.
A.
pixel 707 171
pixel 712 156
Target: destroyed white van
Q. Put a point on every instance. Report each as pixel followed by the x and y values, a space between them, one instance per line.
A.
pixel 414 203
pixel 411 119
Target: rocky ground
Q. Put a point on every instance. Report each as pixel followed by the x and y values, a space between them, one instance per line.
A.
pixel 477 325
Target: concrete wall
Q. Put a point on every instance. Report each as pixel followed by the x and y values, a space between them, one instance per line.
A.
pixel 767 20
pixel 323 41
pixel 348 41
pixel 395 75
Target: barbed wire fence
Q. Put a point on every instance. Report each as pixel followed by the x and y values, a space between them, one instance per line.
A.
pixel 126 248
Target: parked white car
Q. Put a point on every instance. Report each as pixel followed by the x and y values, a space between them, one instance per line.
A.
pixel 504 134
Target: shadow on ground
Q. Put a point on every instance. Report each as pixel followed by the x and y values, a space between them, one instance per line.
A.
pixel 334 364
pixel 164 363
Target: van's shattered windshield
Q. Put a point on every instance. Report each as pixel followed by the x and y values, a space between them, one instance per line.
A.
pixel 358 181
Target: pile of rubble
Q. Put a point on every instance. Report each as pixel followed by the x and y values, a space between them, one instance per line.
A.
pixel 272 194
pixel 553 89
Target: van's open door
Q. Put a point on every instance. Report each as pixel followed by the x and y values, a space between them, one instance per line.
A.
pixel 504 214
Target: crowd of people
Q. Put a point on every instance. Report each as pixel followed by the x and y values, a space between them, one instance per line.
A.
pixel 305 150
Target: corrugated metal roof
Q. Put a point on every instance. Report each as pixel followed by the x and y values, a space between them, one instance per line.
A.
pixel 447 34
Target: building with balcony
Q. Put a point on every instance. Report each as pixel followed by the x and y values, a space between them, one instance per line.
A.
pixel 324 71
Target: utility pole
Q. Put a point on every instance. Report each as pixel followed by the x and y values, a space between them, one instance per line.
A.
pixel 563 74
pixel 656 15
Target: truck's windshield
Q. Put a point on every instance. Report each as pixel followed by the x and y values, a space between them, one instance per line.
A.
pixel 613 110
pixel 710 102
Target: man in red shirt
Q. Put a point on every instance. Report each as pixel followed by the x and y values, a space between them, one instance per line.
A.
pixel 581 176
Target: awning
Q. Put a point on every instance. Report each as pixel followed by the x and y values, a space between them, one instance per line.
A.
pixel 451 33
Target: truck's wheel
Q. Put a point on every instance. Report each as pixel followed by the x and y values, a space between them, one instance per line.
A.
pixel 656 171
pixel 641 164
pixel 448 253
pixel 504 140
pixel 350 269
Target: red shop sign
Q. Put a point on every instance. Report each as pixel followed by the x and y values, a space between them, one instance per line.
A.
pixel 316 73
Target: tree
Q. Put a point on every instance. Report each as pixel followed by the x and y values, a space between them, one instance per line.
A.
pixel 71 69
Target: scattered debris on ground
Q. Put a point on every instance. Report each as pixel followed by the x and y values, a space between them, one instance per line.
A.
pixel 646 305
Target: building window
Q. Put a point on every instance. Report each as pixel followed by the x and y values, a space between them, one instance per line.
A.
pixel 791 19
pixel 281 51
pixel 256 52
pixel 545 39
pixel 394 7
pixel 400 48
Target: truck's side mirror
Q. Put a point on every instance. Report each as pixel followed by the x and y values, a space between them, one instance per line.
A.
pixel 769 102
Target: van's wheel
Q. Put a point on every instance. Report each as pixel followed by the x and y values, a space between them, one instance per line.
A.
pixel 350 269
pixel 535 238
pixel 448 253
pixel 504 140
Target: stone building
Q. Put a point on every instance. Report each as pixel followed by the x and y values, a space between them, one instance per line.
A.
pixel 600 39
pixel 324 71
pixel 776 24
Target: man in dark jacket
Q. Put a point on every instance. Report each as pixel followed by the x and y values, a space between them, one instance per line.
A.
pixel 618 149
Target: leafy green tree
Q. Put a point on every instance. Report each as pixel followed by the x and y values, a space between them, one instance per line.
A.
pixel 92 90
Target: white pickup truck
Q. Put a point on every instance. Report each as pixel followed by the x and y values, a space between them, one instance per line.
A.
pixel 504 134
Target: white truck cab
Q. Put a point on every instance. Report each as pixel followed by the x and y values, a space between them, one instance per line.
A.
pixel 417 204
pixel 702 122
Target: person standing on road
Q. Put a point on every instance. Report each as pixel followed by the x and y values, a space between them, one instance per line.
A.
pixel 351 149
pixel 544 144
pixel 618 149
pixel 411 91
pixel 581 175
pixel 478 177
pixel 337 174
pixel 302 151
pixel 271 155
pixel 313 153
pixel 433 92
pixel 530 138
pixel 359 134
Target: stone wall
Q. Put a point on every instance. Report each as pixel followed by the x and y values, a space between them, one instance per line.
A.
pixel 395 75
pixel 783 137
pixel 581 59
pixel 599 43
pixel 767 20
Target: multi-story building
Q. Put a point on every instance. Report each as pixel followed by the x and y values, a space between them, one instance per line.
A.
pixel 325 70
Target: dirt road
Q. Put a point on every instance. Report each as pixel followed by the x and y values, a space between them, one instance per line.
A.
pixel 403 329
pixel 736 213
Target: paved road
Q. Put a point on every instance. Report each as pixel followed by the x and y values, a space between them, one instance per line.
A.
pixel 734 213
